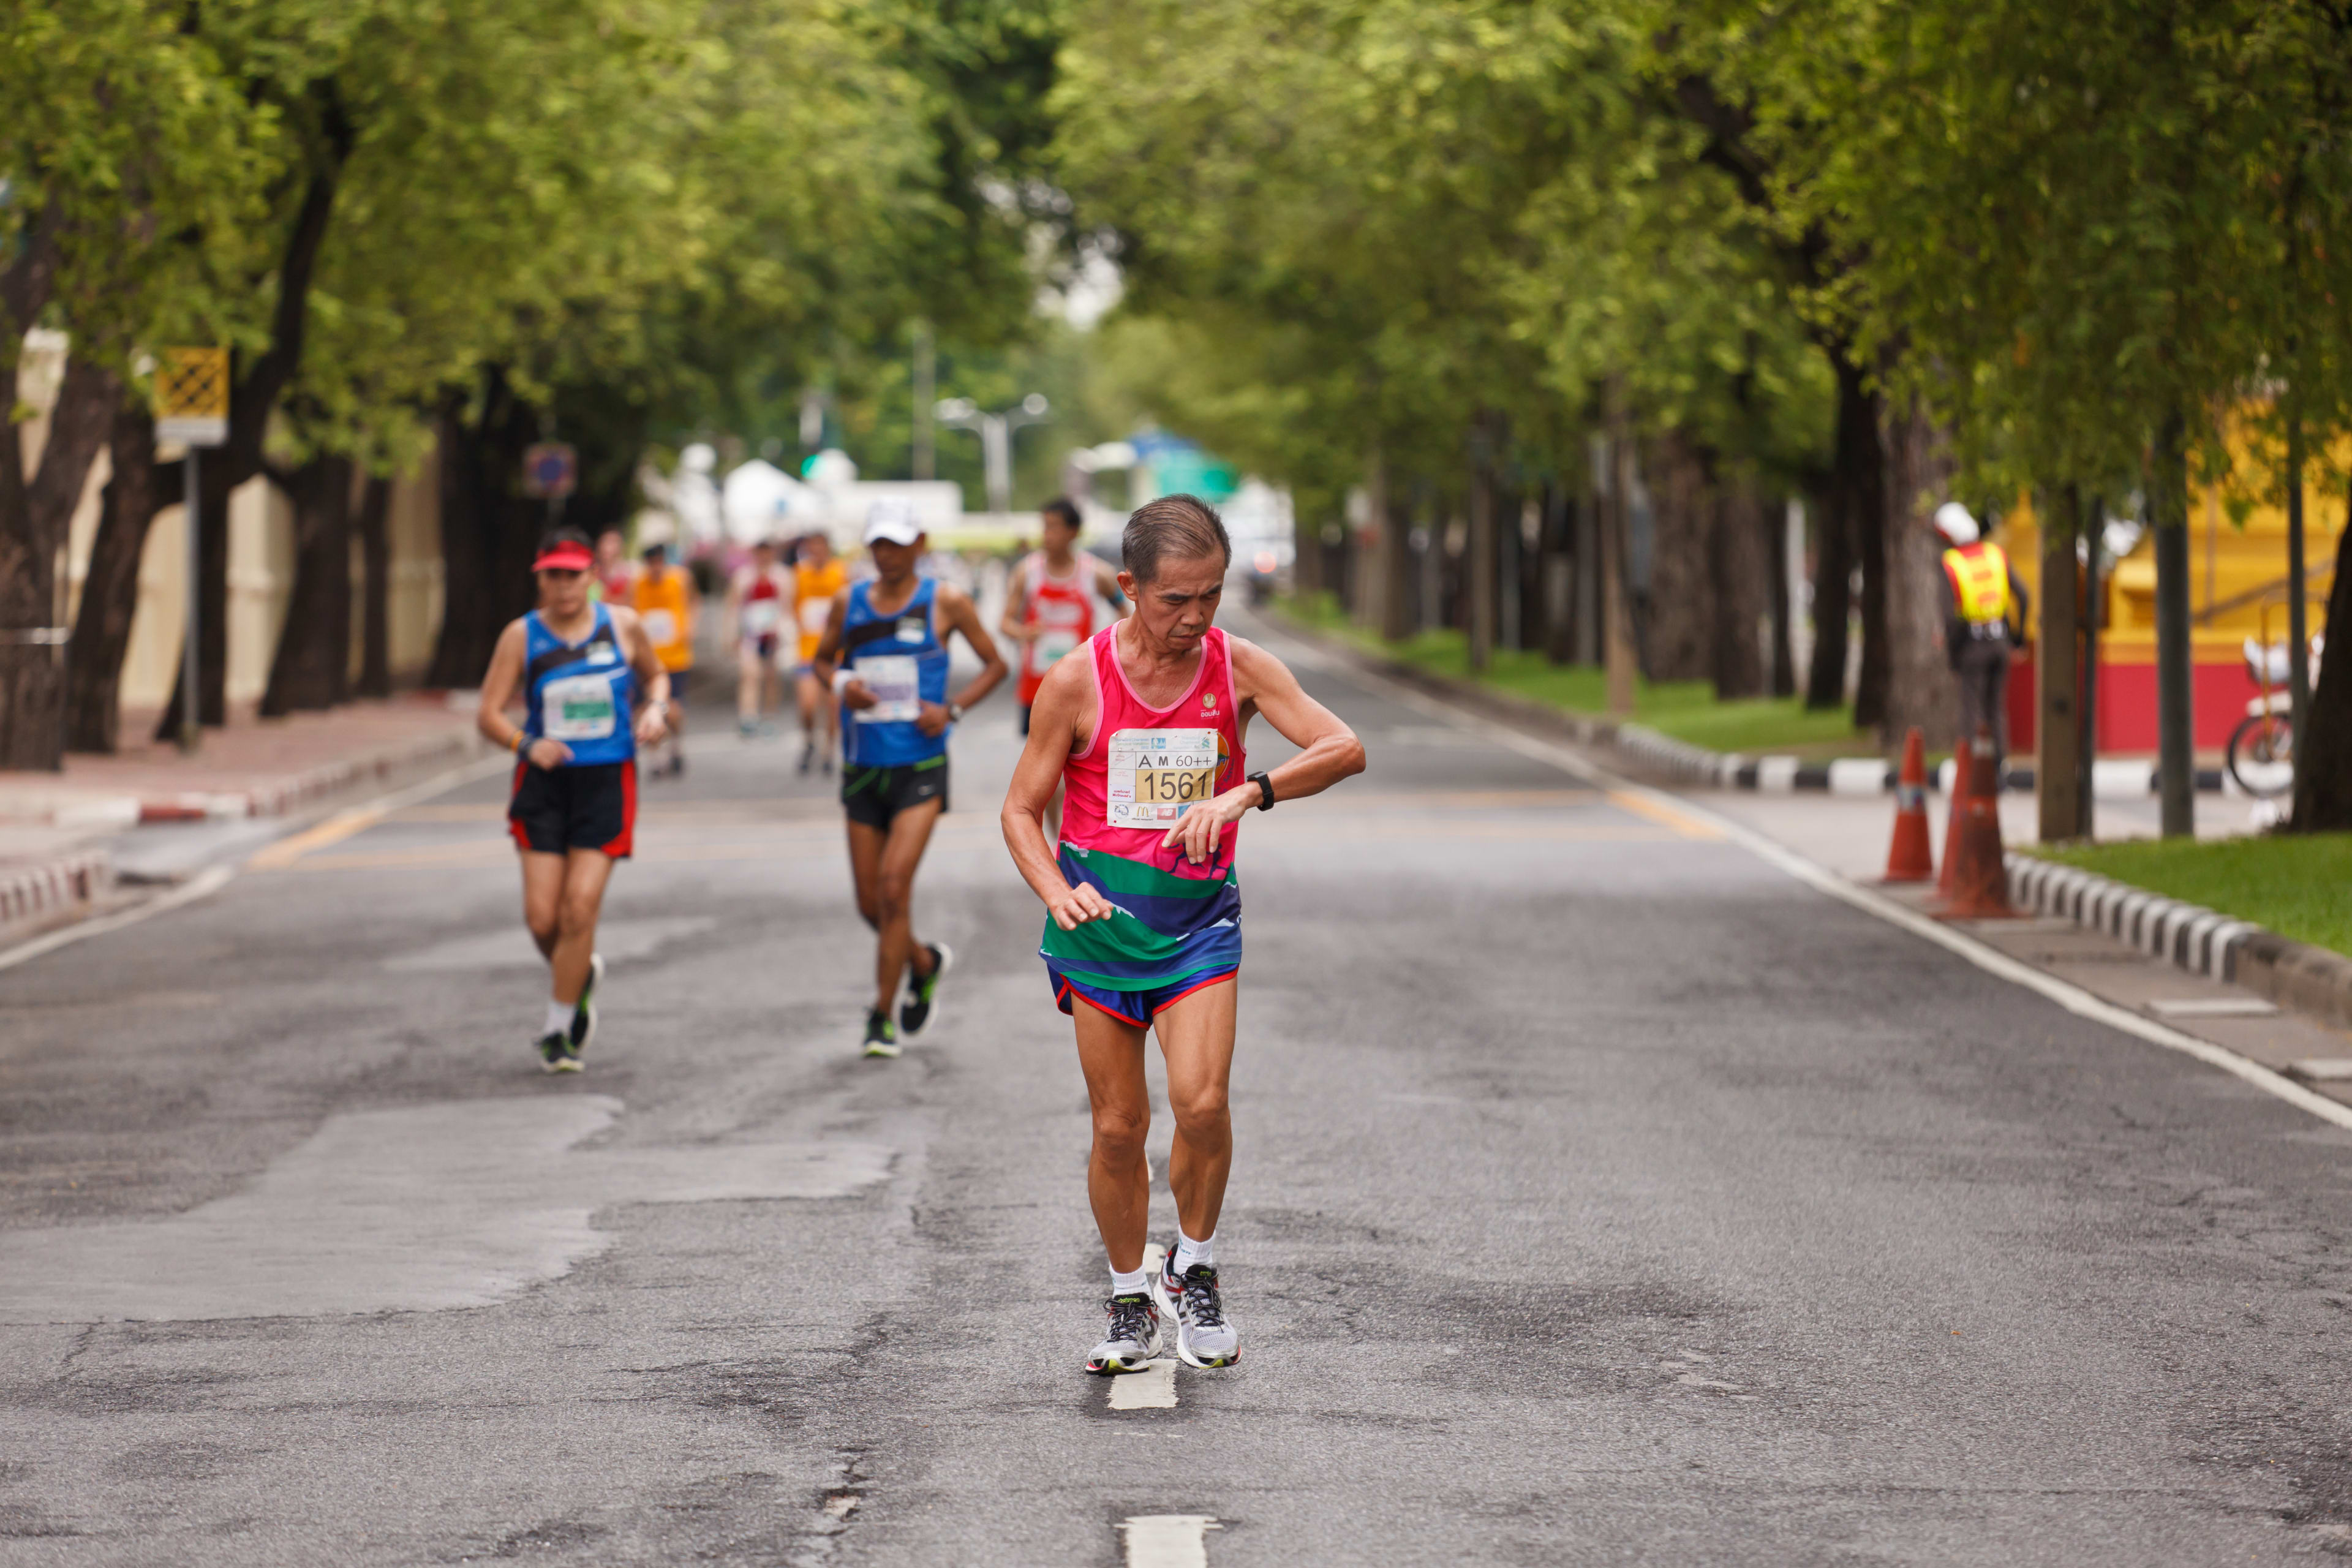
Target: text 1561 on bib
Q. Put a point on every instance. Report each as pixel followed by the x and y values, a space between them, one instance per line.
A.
pixel 1156 775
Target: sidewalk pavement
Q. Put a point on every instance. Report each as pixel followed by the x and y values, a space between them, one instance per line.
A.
pixel 56 827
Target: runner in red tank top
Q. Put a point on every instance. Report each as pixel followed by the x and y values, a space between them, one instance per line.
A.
pixel 1144 910
pixel 1057 600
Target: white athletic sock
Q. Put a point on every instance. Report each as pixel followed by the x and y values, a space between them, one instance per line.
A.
pixel 1134 1284
pixel 1188 1252
pixel 558 1017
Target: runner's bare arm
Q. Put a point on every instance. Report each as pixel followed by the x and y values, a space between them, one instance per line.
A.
pixel 1328 750
pixel 1016 604
pixel 828 654
pixel 1054 721
pixel 499 684
pixel 653 717
pixel 1106 584
pixel 961 614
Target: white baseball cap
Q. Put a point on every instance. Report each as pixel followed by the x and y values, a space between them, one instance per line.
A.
pixel 1953 522
pixel 894 521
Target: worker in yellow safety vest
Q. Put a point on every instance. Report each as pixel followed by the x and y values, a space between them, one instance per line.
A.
pixel 1980 593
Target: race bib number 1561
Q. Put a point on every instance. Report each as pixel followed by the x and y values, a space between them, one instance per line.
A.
pixel 1156 775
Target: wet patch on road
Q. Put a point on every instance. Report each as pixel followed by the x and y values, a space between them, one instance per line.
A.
pixel 417 1209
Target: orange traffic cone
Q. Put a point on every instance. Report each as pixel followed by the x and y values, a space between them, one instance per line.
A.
pixel 1979 872
pixel 1962 779
pixel 1911 858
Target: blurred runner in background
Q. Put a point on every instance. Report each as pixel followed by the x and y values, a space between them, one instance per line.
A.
pixel 884 653
pixel 580 666
pixel 817 578
pixel 614 575
pixel 666 603
pixel 757 599
pixel 1054 600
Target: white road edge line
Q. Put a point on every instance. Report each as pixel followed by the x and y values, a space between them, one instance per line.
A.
pixel 1168 1540
pixel 212 879
pixel 2072 997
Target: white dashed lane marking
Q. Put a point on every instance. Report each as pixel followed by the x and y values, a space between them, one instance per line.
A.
pixel 1153 1388
pixel 1167 1540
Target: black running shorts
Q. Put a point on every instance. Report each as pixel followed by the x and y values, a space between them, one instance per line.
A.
pixel 875 795
pixel 590 805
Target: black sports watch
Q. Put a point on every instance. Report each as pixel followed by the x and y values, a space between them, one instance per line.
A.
pixel 1265 787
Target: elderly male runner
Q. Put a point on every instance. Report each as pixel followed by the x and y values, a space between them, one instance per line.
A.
pixel 885 650
pixel 1144 724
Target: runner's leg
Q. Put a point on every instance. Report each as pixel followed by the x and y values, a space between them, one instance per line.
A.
pixel 1196 1036
pixel 902 852
pixel 747 685
pixel 585 873
pixel 542 899
pixel 1119 1182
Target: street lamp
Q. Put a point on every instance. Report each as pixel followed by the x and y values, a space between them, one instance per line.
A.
pixel 996 438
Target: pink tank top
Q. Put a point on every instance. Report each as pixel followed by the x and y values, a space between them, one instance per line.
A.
pixel 1143 767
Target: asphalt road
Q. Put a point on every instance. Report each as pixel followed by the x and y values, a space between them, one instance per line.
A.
pixel 1603 1195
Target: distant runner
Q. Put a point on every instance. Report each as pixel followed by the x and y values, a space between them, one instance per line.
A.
pixel 757 598
pixel 892 632
pixel 579 666
pixel 1055 601
pixel 614 578
pixel 664 600
pixel 1145 725
pixel 817 576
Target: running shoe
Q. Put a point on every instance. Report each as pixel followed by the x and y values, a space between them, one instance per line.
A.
pixel 747 728
pixel 920 1010
pixel 1133 1341
pixel 808 756
pixel 1204 1337
pixel 881 1035
pixel 584 1012
pixel 555 1053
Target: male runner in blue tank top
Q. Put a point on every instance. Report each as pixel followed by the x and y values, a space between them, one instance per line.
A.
pixel 885 654
pixel 579 666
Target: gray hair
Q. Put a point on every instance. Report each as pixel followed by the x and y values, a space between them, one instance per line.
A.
pixel 1180 526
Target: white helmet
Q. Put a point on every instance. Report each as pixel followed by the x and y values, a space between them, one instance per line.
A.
pixel 1953 522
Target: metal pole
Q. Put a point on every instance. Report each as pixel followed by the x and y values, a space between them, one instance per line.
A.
pixel 191 731
pixel 2175 674
pixel 995 443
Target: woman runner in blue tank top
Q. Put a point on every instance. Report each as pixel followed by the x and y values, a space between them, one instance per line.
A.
pixel 884 653
pixel 579 667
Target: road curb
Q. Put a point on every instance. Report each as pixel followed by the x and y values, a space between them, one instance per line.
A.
pixel 277 798
pixel 2310 980
pixel 1684 762
pixel 50 888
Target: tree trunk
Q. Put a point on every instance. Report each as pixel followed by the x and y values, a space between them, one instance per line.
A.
pixel 34 521
pixel 488 531
pixel 312 663
pixel 1479 559
pixel 1620 657
pixel 2323 758
pixel 375 615
pixel 1680 625
pixel 1874 522
pixel 1833 599
pixel 1853 532
pixel 1556 574
pixel 1919 687
pixel 2175 699
pixel 1737 559
pixel 2058 761
pixel 109 588
pixel 1784 614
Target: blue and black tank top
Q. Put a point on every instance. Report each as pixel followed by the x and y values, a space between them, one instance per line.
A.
pixel 584 694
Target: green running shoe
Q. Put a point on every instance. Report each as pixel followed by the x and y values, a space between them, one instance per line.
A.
pixel 555 1053
pixel 920 1010
pixel 584 1012
pixel 881 1035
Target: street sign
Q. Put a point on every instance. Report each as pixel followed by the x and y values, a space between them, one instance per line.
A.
pixel 192 396
pixel 550 470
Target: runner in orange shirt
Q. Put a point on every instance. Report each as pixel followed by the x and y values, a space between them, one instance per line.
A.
pixel 666 604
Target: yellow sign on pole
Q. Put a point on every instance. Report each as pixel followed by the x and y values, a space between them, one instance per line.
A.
pixel 192 396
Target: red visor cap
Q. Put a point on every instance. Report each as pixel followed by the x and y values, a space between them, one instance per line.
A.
pixel 565 557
